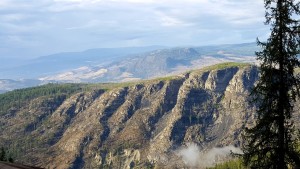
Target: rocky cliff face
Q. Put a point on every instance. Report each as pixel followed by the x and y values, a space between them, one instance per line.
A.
pixel 140 125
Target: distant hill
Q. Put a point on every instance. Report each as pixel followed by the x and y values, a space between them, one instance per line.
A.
pixel 59 62
pixel 124 64
pixel 8 84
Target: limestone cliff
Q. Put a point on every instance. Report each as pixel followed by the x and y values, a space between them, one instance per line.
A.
pixel 138 125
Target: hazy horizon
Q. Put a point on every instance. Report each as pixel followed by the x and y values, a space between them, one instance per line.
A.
pixel 9 58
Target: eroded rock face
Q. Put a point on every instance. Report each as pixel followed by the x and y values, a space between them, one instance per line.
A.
pixel 136 126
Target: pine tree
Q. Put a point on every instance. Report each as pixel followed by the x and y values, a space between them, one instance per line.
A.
pixel 271 142
pixel 2 154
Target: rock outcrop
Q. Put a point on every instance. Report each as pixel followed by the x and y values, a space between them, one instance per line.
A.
pixel 139 125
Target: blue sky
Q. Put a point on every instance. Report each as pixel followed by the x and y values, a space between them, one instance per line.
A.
pixel 31 28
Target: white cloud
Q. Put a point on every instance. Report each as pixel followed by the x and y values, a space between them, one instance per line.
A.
pixel 194 158
pixel 12 17
pixel 136 1
pixel 4 3
pixel 166 20
pixel 72 25
pixel 89 24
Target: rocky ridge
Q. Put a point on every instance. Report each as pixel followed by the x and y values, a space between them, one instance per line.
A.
pixel 138 125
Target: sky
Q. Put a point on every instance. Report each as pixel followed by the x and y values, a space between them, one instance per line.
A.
pixel 32 28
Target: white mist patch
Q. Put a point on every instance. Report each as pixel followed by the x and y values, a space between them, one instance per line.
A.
pixel 193 157
pixel 190 155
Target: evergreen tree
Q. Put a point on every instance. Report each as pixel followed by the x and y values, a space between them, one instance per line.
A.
pixel 271 142
pixel 2 154
pixel 5 155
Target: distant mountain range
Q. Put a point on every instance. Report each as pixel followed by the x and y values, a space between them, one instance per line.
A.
pixel 56 63
pixel 118 64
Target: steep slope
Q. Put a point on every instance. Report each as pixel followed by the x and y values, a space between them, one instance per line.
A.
pixel 138 124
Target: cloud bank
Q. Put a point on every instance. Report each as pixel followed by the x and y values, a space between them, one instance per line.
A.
pixel 31 28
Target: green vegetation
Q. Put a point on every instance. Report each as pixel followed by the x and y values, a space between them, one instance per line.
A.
pixel 109 86
pixel 16 99
pixel 5 155
pixel 232 164
pixel 167 78
pixel 19 98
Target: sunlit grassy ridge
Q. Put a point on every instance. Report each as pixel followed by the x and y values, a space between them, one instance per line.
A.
pixel 225 65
